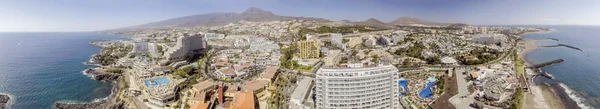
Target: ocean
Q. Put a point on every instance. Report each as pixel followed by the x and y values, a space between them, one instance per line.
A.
pixel 579 74
pixel 39 69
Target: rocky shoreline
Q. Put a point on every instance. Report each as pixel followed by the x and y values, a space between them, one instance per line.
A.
pixel 101 76
pixel 110 102
pixel 4 99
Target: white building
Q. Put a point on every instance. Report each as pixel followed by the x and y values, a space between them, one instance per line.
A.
pixel 301 93
pixel 385 41
pixel 337 40
pixel 371 42
pixel 333 57
pixel 397 38
pixel 186 47
pixel 213 36
pixel 371 88
pixel 139 48
pixel 488 38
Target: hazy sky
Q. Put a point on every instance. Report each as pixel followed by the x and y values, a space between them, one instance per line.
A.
pixel 90 15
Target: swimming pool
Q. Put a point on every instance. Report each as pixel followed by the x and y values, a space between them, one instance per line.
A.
pixel 156 82
pixel 427 93
pixel 403 83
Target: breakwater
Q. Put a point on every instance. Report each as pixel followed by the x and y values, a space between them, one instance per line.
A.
pixel 540 65
pixel 565 45
pixel 553 39
pixel 547 75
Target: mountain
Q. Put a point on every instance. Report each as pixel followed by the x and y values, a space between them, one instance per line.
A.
pixel 187 21
pixel 259 15
pixel 215 19
pixel 372 22
pixel 410 21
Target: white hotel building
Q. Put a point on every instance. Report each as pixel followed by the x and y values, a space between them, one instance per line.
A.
pixel 357 88
pixel 186 47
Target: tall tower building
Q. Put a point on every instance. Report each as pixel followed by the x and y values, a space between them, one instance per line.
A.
pixel 371 88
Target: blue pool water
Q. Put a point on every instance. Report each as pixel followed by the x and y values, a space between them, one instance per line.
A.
pixel 403 83
pixel 427 93
pixel 157 82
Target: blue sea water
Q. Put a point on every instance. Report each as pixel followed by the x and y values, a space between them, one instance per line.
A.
pixel 580 72
pixel 39 69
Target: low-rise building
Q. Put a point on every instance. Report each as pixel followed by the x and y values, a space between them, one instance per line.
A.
pixel 397 38
pixel 213 36
pixel 385 41
pixel 256 86
pixel 270 73
pixel 226 73
pixel 371 42
pixel 333 57
pixel 301 92
pixel 337 40
pixel 244 100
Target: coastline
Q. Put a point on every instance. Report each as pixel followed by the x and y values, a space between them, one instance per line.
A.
pixel 543 96
pixel 109 102
pixel 539 97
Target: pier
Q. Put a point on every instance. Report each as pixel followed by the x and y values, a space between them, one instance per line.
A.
pixel 540 65
pixel 565 45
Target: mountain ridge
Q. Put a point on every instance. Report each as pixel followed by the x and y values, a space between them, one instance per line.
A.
pixel 259 15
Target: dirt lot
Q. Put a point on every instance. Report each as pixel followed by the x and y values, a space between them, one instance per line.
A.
pixel 450 89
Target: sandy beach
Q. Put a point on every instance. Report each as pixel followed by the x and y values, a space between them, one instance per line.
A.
pixel 541 96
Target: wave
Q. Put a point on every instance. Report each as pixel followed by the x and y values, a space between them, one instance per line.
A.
pixel 101 99
pixel 87 74
pixel 573 95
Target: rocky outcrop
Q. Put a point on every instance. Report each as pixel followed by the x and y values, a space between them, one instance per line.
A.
pixel 109 103
pixel 4 100
pixel 93 105
pixel 102 76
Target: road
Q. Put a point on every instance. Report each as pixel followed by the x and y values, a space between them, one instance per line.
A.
pixel 132 85
pixel 457 101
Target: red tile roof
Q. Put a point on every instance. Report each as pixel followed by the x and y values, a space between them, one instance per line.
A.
pixel 270 72
pixel 244 100
pixel 255 85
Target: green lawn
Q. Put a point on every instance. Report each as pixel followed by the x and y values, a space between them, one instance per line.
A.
pixel 519 64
